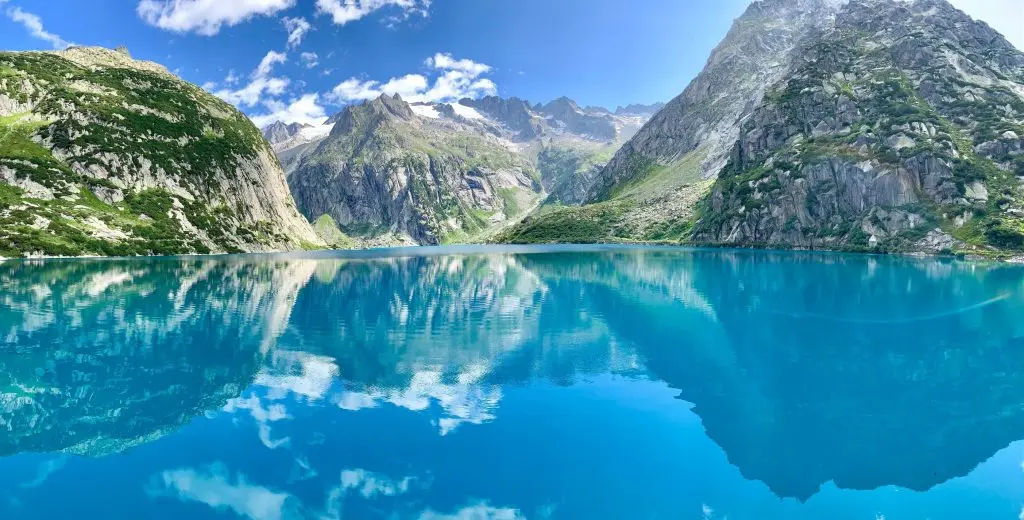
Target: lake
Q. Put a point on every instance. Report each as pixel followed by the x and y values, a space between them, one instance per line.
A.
pixel 510 383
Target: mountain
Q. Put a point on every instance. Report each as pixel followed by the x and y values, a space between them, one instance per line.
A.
pixel 426 173
pixel 103 154
pixel 704 120
pixel 279 132
pixel 639 109
pixel 876 125
pixel 292 141
pixel 650 188
pixel 386 171
pixel 899 130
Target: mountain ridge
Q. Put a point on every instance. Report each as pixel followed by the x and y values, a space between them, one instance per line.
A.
pixel 523 139
pixel 101 154
pixel 763 149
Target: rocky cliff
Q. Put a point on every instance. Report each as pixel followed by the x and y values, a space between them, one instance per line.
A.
pixel 103 154
pixel 876 125
pixel 898 129
pixel 385 171
pixel 279 132
pixel 649 189
pixel 755 53
pixel 430 173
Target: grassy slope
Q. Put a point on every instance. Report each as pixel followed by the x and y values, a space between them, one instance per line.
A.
pixel 646 209
pixel 112 127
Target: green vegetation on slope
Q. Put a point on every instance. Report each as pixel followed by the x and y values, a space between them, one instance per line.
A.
pixel 107 122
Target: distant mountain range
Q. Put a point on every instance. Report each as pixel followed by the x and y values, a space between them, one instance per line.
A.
pixel 387 171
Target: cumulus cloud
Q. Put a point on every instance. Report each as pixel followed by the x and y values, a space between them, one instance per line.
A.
pixel 310 59
pixel 345 11
pixel 205 17
pixel 262 415
pixel 367 484
pixel 370 485
pixel 266 65
pixel 261 84
pixel 297 29
pixel 34 24
pixel 446 62
pixel 479 511
pixel 217 488
pixel 463 401
pixel 251 94
pixel 453 79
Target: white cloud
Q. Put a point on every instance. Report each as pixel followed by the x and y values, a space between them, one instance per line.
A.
pixel 216 488
pixel 266 65
pixel 443 61
pixel 296 373
pixel 297 29
pixel 263 417
pixel 370 485
pixel 463 402
pixel 254 91
pixel 479 511
pixel 310 59
pixel 262 83
pixel 453 79
pixel 1005 16
pixel 345 11
pixel 206 17
pixel 232 78
pixel 34 24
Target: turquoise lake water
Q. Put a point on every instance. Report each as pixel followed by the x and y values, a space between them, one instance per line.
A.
pixel 493 383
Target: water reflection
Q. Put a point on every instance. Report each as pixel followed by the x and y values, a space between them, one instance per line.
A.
pixel 102 356
pixel 507 386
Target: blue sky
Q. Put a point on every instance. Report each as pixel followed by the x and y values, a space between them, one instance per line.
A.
pixel 300 60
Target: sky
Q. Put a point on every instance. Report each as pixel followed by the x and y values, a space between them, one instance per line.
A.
pixel 302 60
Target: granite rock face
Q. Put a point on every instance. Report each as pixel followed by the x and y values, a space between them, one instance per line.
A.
pixel 897 129
pixel 757 52
pixel 429 173
pixel 102 154
pixel 385 170
pixel 875 125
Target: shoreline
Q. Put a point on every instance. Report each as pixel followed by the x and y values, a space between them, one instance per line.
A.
pixel 433 250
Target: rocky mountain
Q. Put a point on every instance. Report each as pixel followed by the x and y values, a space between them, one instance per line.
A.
pixel 704 120
pixel 649 189
pixel 869 124
pixel 103 154
pixel 426 173
pixel 387 171
pixel 278 132
pixel 899 129
pixel 639 109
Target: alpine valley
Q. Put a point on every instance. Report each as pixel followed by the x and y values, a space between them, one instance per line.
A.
pixel 390 172
pixel 862 125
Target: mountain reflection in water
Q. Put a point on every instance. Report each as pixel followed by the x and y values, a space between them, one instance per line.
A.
pixel 555 384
